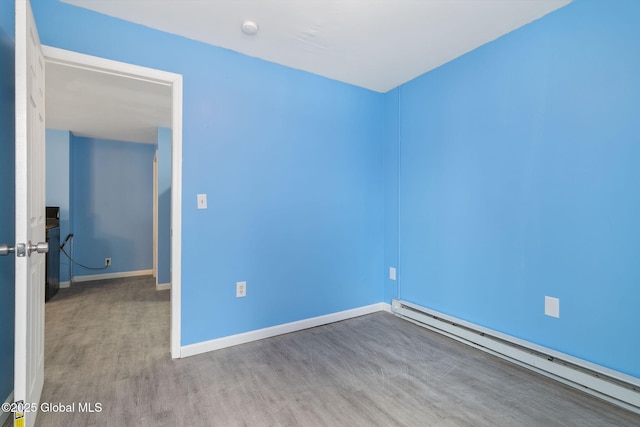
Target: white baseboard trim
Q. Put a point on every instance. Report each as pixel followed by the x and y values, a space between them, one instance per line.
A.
pixel 259 334
pixel 163 286
pixel 92 277
pixel 4 416
pixel 613 386
pixel 63 285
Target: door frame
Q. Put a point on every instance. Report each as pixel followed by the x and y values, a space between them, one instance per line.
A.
pixel 155 216
pixel 165 78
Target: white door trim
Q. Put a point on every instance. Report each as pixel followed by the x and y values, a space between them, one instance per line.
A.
pixel 94 63
pixel 155 216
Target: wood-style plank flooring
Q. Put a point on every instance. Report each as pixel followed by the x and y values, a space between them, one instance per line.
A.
pixel 108 342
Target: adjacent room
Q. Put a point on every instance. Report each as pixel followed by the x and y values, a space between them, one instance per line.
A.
pixel 388 213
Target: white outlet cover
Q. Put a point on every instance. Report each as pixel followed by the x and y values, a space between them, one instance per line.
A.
pixel 552 307
pixel 241 289
pixel 392 273
pixel 202 201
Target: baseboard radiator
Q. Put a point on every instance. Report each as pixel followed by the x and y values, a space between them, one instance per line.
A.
pixel 615 387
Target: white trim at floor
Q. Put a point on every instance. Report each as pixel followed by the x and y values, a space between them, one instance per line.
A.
pixel 246 337
pixel 89 278
pixel 163 286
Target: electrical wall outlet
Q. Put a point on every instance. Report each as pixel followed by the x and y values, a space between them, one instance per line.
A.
pixel 107 262
pixel 392 273
pixel 241 289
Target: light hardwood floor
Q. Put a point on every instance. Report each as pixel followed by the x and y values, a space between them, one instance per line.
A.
pixel 108 342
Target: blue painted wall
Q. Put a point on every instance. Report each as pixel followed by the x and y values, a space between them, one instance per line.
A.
pixel 7 194
pixel 164 206
pixel 291 163
pixel 58 186
pixel 520 179
pixel 516 181
pixel 112 205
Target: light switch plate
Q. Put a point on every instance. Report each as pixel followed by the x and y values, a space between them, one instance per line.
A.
pixel 202 201
pixel 552 307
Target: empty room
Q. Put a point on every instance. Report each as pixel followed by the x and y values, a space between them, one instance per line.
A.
pixel 419 213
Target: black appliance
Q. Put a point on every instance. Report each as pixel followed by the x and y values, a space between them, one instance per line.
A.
pixel 52 283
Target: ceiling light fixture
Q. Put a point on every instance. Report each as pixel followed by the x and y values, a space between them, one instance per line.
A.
pixel 250 28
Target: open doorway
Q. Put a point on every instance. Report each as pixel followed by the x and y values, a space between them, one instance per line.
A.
pixel 157 94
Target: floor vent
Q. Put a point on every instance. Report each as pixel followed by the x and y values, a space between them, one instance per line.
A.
pixel 615 387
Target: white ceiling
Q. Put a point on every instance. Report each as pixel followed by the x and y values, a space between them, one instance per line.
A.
pixel 374 44
pixel 102 105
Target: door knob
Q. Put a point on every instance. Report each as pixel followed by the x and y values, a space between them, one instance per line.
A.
pixel 41 248
pixel 6 250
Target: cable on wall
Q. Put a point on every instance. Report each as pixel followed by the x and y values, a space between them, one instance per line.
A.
pixel 73 260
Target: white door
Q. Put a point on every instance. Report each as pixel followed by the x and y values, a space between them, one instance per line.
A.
pixel 30 215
